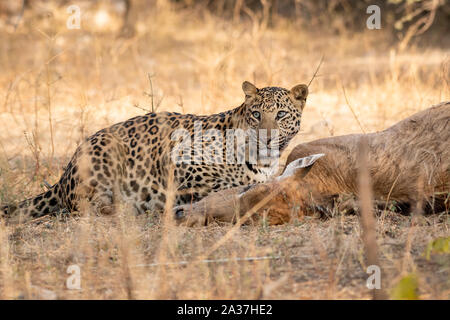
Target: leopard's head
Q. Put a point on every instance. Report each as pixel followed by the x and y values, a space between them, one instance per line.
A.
pixel 274 108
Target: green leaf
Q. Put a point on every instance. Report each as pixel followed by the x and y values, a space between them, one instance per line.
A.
pixel 438 246
pixel 406 289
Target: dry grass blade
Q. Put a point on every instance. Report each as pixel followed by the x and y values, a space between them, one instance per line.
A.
pixel 317 70
pixel 367 219
pixel 351 109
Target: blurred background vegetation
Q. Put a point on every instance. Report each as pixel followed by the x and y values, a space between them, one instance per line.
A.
pixel 403 20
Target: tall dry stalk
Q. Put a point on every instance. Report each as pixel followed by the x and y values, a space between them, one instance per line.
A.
pixel 367 219
pixel 6 274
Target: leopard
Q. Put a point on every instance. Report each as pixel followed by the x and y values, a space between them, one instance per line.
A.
pixel 139 161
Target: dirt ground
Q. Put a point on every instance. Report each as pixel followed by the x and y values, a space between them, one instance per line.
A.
pixel 310 259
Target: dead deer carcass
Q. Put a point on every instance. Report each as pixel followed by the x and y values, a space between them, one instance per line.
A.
pixel 408 163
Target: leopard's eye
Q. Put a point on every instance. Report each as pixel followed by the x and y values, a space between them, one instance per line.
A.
pixel 256 114
pixel 281 114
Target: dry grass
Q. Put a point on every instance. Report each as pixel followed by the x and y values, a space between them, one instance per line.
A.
pixel 58 86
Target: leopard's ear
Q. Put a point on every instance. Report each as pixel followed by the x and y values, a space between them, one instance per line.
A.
pixel 249 89
pixel 299 93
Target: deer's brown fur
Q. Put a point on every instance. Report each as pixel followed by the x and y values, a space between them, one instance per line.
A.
pixel 409 163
